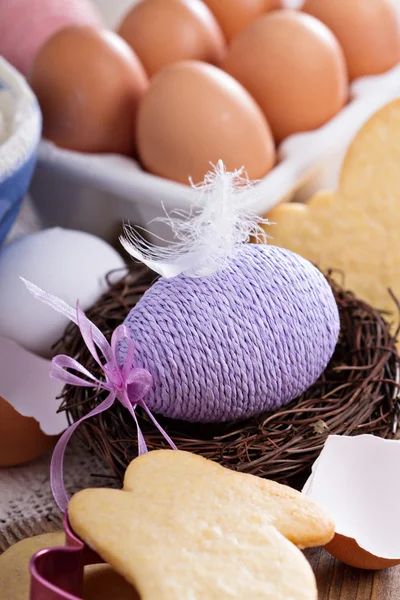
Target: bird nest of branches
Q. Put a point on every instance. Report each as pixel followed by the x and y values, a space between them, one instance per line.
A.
pixel 358 393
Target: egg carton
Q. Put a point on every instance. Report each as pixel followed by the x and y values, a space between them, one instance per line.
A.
pixel 95 193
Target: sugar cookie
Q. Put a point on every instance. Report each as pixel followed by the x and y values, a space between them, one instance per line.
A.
pixel 186 528
pixel 101 582
pixel 355 229
pixel 14 564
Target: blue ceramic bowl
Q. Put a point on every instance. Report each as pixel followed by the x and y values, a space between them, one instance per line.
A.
pixel 20 130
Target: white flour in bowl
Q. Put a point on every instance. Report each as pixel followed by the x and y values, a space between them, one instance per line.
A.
pixel 3 128
pixel 20 120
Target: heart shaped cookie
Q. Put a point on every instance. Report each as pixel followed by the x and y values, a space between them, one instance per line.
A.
pixel 185 528
pixel 355 229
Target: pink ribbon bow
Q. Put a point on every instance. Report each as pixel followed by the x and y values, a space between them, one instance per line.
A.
pixel 126 383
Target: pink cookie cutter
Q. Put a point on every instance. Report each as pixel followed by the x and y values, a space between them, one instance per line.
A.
pixel 57 573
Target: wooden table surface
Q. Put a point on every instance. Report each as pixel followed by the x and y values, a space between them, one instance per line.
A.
pixel 339 582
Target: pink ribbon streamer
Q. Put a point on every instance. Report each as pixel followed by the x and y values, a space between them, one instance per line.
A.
pixel 126 383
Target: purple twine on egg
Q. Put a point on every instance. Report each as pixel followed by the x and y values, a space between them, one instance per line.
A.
pixel 247 339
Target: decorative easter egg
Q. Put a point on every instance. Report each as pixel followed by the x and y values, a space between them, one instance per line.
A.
pixel 246 339
pixel 25 25
pixel 71 264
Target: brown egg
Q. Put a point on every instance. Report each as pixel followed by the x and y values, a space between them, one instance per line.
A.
pixel 236 15
pixel 293 66
pixel 162 32
pixel 88 83
pixel 369 32
pixel 21 439
pixel 195 114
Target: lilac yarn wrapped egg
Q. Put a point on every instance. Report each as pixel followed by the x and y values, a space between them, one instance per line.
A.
pixel 246 339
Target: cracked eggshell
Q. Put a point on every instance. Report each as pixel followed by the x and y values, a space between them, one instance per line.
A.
pixel 355 481
pixel 29 423
pixel 21 439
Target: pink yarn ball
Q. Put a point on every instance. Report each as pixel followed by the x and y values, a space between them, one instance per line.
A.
pixel 26 24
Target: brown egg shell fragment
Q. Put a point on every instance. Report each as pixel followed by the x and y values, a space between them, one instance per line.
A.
pixel 348 551
pixel 21 439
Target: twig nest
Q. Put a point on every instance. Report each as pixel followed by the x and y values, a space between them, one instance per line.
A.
pixel 356 393
pixel 247 339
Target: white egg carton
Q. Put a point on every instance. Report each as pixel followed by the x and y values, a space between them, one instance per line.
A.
pixel 95 193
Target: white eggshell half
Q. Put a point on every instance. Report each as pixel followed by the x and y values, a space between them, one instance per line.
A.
pixel 355 479
pixel 69 264
pixel 26 384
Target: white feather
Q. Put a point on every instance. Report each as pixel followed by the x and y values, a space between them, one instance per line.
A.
pixel 208 237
